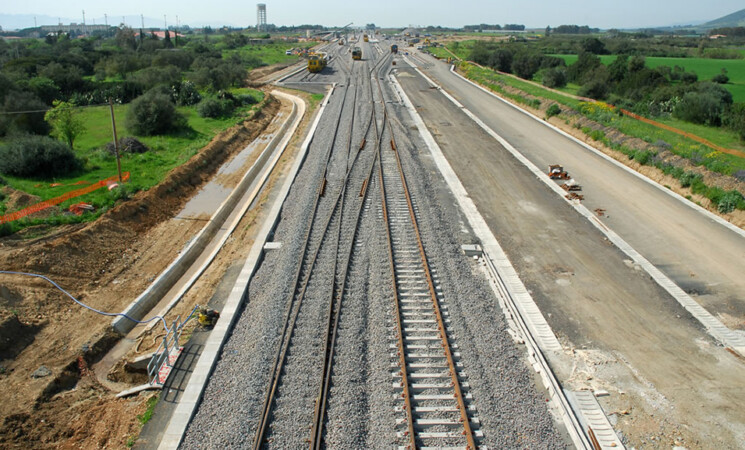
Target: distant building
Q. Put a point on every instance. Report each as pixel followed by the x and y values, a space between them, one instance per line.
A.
pixel 77 28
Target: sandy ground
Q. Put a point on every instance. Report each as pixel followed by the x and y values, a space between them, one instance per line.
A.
pixel 105 264
pixel 669 383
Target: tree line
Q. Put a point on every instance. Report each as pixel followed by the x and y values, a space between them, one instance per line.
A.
pixel 627 82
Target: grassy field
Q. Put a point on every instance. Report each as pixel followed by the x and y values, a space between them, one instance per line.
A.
pixel 147 169
pixel 705 68
pixel 270 53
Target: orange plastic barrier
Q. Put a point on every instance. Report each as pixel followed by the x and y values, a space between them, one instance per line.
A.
pixel 57 200
pixel 686 134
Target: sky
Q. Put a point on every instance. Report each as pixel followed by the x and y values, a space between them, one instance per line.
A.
pixel 386 13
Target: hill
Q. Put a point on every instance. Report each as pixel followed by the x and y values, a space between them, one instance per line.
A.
pixel 736 19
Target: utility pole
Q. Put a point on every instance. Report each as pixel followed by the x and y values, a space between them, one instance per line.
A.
pixel 165 24
pixel 106 19
pixel 142 21
pixel 116 142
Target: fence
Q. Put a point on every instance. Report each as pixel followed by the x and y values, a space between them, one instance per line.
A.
pixel 57 200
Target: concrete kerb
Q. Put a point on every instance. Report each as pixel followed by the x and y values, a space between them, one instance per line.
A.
pixel 165 281
pixel 506 284
pixel 730 338
pixel 192 395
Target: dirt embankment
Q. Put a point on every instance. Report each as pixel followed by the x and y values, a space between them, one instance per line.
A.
pixel 47 342
pixel 572 123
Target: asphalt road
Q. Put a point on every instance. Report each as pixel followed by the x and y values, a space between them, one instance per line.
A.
pixel 624 332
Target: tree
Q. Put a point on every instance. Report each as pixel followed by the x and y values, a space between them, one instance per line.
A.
pixel 167 41
pixel 501 60
pixel 27 114
pixel 554 77
pixel 66 125
pixel 125 38
pixel 594 46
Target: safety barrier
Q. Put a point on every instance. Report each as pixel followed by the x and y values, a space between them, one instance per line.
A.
pixel 57 200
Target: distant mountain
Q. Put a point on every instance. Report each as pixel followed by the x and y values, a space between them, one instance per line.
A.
pixel 21 21
pixel 736 19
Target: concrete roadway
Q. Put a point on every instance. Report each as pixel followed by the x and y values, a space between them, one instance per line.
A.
pixel 626 334
pixel 704 258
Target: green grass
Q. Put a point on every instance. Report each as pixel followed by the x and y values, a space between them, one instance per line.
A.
pixel 147 169
pixel 148 414
pixel 705 68
pixel 440 52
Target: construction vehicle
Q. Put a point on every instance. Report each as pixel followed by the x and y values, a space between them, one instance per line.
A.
pixel 316 62
pixel 394 48
pixel 207 317
pixel 356 53
pixel 557 172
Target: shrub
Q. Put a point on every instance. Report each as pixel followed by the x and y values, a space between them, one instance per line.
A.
pixel 37 156
pixel 729 201
pixel 152 114
pixel 184 93
pixel 213 107
pixel 734 119
pixel 553 110
pixel 642 156
pixel 699 107
pixel 689 178
pixel 720 78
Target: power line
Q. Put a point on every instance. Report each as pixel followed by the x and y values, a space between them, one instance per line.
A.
pixel 49 109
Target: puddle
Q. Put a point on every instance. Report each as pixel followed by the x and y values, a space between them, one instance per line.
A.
pixel 206 201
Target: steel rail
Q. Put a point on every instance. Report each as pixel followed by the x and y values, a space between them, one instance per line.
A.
pixel 298 293
pixel 335 302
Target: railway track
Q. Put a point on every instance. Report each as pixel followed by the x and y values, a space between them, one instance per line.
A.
pixel 330 236
pixel 436 410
